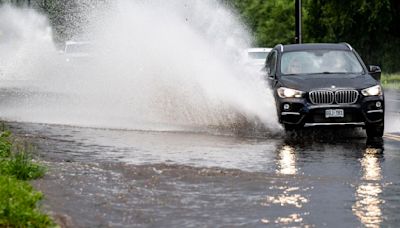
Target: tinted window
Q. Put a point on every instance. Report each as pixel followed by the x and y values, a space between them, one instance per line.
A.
pixel 271 62
pixel 320 61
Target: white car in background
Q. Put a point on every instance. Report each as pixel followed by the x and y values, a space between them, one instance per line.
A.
pixel 77 51
pixel 257 56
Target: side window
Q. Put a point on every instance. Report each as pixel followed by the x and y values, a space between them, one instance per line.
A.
pixel 271 63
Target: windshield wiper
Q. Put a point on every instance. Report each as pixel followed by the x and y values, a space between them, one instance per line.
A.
pixel 329 72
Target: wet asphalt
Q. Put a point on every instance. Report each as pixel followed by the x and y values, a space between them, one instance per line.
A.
pixel 113 178
pixel 312 178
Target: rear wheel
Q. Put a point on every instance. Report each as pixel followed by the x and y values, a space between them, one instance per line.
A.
pixel 375 130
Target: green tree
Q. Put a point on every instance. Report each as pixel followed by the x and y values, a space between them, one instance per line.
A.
pixel 272 22
pixel 371 26
pixel 368 25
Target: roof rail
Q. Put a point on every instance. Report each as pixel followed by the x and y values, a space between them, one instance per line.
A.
pixel 348 45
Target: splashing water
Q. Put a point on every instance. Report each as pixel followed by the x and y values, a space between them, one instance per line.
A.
pixel 153 65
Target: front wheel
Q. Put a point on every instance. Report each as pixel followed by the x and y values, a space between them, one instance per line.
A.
pixel 374 130
pixel 292 127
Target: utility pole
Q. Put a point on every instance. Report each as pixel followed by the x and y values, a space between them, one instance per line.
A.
pixel 298 38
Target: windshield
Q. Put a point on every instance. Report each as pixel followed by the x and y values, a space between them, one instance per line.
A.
pixel 258 55
pixel 320 62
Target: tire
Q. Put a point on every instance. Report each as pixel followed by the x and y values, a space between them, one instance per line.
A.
pixel 291 127
pixel 374 130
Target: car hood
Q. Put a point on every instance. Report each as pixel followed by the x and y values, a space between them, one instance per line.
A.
pixel 320 81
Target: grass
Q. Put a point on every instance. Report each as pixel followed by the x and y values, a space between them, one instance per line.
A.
pixel 391 81
pixel 18 200
pixel 18 204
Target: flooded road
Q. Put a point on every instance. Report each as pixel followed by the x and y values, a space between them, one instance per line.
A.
pixel 114 178
pixel 165 73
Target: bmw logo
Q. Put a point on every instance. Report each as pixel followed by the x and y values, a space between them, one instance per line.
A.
pixel 333 86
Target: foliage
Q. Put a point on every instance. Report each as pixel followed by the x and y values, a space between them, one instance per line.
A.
pixel 16 2
pixel 272 22
pixel 21 166
pixel 17 163
pixel 18 205
pixel 65 16
pixel 370 26
pixel 18 201
pixel 5 144
pixel 391 81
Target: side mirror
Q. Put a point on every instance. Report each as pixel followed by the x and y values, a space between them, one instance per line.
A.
pixel 375 72
pixel 268 71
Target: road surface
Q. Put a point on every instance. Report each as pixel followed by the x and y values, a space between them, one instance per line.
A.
pixel 120 178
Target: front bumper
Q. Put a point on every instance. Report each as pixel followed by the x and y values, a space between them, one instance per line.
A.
pixel 299 111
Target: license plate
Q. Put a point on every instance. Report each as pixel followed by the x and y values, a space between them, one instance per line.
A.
pixel 329 113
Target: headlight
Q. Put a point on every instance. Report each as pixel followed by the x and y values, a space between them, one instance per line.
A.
pixel 288 93
pixel 372 91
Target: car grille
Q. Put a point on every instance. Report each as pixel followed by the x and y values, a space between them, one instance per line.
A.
pixel 346 96
pixel 330 97
pixel 322 97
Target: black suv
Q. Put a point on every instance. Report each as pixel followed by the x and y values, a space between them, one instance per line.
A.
pixel 324 85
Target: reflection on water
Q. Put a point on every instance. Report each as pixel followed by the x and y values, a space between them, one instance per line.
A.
pixel 290 198
pixel 368 202
pixel 370 164
pixel 293 218
pixel 287 160
pixel 287 196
